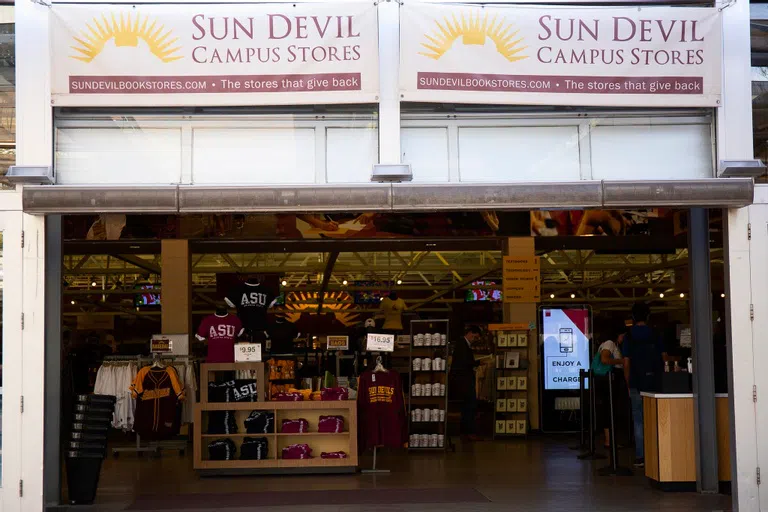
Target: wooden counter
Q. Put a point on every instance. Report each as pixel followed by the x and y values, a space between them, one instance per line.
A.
pixel 670 448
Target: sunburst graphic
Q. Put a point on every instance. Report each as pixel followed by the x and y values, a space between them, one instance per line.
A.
pixel 126 31
pixel 296 304
pixel 474 29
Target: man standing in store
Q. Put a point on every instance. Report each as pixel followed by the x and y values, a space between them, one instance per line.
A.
pixel 462 381
pixel 644 357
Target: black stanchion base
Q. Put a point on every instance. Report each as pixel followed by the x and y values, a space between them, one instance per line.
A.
pixel 619 471
pixel 591 456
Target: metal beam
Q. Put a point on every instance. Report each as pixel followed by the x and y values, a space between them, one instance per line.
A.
pixel 326 278
pixel 137 262
pixel 462 284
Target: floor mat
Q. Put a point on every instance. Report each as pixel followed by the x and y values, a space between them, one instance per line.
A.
pixel 308 498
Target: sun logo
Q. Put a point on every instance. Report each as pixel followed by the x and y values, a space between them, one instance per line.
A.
pixel 474 29
pixel 126 32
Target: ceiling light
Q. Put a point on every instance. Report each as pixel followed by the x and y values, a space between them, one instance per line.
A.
pixel 722 295
pixel 285 283
pixel 72 302
pixel 661 295
pixel 573 295
pixel 345 282
pixel 551 295
pixel 399 281
pixel 94 284
pixel 682 295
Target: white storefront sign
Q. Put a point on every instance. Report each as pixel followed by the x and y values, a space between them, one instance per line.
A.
pixel 654 56
pixel 255 54
pixel 247 352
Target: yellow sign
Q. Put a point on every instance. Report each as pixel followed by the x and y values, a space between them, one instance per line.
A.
pixel 509 327
pixel 338 342
pixel 520 279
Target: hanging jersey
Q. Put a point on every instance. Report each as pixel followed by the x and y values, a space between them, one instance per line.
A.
pixel 252 302
pixel 158 392
pixel 221 333
pixel 381 410
pixel 282 335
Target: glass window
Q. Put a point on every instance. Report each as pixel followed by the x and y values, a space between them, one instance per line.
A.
pixel 7 88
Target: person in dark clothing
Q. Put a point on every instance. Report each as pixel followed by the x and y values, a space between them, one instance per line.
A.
pixel 462 381
pixel 644 357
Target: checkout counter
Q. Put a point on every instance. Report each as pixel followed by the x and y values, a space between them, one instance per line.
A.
pixel 670 450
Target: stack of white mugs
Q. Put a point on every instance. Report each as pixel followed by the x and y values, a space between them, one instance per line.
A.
pixel 434 415
pixel 430 340
pixel 427 440
pixel 435 389
pixel 425 365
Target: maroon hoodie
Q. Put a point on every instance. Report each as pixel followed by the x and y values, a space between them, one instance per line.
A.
pixel 381 410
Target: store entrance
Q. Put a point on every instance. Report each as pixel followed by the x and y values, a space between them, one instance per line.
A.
pixel 300 352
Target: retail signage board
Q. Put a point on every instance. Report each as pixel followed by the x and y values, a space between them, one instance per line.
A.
pixel 214 54
pixel 521 279
pixel 247 352
pixel 564 332
pixel 380 343
pixel 160 345
pixel 586 56
pixel 338 342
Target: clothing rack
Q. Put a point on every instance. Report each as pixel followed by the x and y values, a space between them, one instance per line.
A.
pixel 154 447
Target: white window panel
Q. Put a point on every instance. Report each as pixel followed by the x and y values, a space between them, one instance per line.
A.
pixel 426 149
pixel 253 156
pixel 652 152
pixel 350 154
pixel 118 155
pixel 518 153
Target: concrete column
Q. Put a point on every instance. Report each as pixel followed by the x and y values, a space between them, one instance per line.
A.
pixel 176 277
pixel 705 423
pixel 389 87
pixel 526 314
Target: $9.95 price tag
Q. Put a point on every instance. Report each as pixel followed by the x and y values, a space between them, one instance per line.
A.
pixel 248 352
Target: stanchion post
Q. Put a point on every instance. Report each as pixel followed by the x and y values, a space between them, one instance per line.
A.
pixel 591 454
pixel 614 468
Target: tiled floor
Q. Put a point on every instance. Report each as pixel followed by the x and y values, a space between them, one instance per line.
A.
pixel 516 475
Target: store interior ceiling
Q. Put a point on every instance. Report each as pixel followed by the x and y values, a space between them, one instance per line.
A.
pixel 430 280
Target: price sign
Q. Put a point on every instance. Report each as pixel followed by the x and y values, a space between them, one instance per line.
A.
pixel 160 345
pixel 248 352
pixel 380 343
pixel 338 342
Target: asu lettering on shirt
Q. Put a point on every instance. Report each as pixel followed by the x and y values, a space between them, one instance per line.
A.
pixel 221 331
pixel 254 299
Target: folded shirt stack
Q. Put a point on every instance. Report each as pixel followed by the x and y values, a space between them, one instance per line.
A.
pixel 260 422
pixel 298 426
pixel 254 448
pixel 222 449
pixel 330 424
pixel 288 397
pixel 335 394
pixel 333 455
pixel 222 422
pixel 297 451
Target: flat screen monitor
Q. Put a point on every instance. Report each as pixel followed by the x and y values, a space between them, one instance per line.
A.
pixel 565 335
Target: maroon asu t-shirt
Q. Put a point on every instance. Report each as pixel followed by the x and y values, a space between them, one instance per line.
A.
pixel 221 333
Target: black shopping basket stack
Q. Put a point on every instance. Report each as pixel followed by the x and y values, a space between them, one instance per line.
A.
pixel 87 446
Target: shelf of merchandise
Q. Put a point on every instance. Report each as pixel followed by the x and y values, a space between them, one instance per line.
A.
pixel 510 423
pixel 441 327
pixel 309 410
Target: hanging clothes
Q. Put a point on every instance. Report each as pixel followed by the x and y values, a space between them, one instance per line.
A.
pixel 381 410
pixel 158 393
pixel 115 379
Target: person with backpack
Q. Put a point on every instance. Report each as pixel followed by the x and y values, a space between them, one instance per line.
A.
pixel 644 357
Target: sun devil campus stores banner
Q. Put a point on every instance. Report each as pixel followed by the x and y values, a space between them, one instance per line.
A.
pixel 646 56
pixel 194 54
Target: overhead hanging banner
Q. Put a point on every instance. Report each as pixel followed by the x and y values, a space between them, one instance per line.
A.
pixel 214 54
pixel 590 56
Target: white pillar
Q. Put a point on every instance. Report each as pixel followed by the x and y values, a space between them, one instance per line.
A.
pixel 33 147
pixel 389 99
pixel 734 142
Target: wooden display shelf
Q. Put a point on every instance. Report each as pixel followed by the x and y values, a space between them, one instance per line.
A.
pixel 310 410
